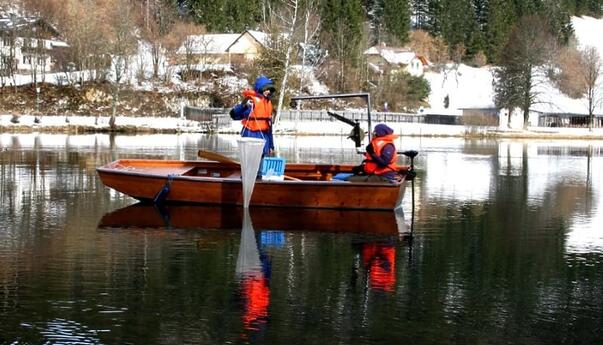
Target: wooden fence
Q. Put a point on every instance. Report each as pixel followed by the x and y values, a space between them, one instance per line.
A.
pixel 218 117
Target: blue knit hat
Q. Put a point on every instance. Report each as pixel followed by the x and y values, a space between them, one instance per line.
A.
pixel 263 83
pixel 383 129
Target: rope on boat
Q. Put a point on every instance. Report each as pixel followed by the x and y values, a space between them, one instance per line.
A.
pixel 164 191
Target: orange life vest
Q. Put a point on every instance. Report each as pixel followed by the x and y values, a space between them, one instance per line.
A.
pixel 370 167
pixel 260 118
pixel 257 300
pixel 380 260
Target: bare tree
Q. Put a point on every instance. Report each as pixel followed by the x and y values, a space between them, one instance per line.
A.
pixel 309 44
pixel 177 43
pixel 590 72
pixel 8 64
pixel 185 38
pixel 291 24
pixel 188 47
pixel 50 10
pixel 158 21
pixel 434 48
pixel 84 27
pixel 35 52
pixel 205 42
pixel 566 76
pixel 121 46
pixel 289 17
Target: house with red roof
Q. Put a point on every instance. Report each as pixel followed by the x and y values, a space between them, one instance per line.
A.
pixel 383 59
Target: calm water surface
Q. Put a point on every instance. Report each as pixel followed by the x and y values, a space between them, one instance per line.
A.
pixel 507 249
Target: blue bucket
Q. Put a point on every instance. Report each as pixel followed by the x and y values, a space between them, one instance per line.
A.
pixel 273 166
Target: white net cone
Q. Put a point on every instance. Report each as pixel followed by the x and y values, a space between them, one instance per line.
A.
pixel 248 260
pixel 250 152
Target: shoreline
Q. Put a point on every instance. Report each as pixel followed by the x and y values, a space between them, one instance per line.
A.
pixel 65 124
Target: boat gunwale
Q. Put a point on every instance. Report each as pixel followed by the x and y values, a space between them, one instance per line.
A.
pixel 207 179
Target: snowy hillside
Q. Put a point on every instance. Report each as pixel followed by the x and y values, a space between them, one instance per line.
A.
pixel 466 87
pixel 469 87
pixel 588 31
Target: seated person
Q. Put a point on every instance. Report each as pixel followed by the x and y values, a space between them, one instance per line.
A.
pixel 379 164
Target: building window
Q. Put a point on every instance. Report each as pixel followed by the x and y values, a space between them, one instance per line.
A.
pixel 6 41
pixel 27 59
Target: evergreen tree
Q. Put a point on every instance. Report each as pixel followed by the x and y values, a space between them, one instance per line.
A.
pixel 592 7
pixel 504 86
pixel 435 12
pixel 420 12
pixel 477 40
pixel 242 15
pixel 225 15
pixel 501 17
pixel 559 19
pixel 527 50
pixel 397 19
pixel 374 13
pixel 527 7
pixel 209 13
pixel 342 34
pixel 459 27
pixel 480 8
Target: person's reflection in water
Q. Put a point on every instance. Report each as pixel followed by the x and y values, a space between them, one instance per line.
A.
pixel 379 260
pixel 253 275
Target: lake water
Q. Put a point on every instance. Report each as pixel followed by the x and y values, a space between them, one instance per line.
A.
pixel 507 247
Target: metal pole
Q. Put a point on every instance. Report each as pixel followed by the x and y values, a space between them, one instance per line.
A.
pixel 341 95
pixel 364 95
pixel 368 111
pixel 37 99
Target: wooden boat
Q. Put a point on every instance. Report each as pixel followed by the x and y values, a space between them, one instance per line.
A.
pixel 219 183
pixel 147 216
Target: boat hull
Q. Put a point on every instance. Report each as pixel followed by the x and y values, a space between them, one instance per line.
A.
pixel 220 184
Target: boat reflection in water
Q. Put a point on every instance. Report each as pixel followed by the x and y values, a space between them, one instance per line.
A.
pixel 378 234
pixel 148 216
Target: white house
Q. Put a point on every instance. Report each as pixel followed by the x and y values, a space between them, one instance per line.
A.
pixel 382 58
pixel 28 43
pixel 224 48
pixel 248 44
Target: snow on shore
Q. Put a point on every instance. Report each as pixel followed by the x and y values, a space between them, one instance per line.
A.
pixel 332 128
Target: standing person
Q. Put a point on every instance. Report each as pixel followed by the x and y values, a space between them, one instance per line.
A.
pixel 380 158
pixel 255 112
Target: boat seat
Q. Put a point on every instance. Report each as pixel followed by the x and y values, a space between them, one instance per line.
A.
pixel 235 175
pixel 162 170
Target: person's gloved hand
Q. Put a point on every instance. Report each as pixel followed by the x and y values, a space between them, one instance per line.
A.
pixel 246 102
pixel 370 149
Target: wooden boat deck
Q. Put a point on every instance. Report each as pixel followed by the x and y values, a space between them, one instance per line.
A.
pixel 156 170
pixel 304 172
